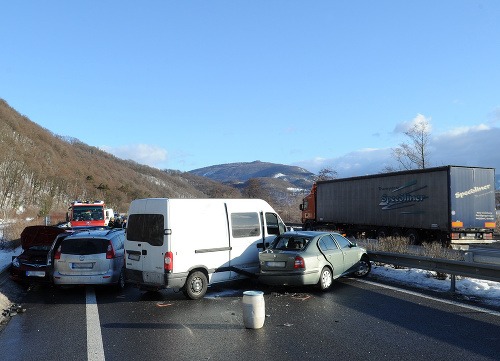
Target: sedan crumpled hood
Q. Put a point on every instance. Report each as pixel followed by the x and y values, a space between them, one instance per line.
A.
pixel 39 236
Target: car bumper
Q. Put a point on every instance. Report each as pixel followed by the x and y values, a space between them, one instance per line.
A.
pixel 102 279
pixel 155 280
pixel 35 275
pixel 289 278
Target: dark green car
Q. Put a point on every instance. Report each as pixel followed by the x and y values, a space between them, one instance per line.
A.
pixel 311 258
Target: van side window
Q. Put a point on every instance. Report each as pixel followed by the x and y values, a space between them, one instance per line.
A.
pixel 145 228
pixel 245 224
pixel 274 224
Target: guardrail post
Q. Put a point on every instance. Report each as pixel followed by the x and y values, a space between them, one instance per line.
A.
pixel 453 283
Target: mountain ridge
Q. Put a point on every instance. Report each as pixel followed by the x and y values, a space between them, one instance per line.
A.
pixel 240 172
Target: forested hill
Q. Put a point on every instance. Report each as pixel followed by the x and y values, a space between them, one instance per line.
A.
pixel 42 173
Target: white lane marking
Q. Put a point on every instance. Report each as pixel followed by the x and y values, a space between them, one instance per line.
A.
pixel 95 349
pixel 450 302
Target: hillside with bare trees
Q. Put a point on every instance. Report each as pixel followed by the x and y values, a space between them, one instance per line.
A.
pixel 41 173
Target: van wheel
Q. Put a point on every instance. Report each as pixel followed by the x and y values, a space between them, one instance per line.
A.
pixel 196 285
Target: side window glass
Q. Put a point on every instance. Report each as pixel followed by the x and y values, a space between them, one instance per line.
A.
pixel 343 242
pixel 245 224
pixel 146 228
pixel 272 224
pixel 326 243
pixel 118 243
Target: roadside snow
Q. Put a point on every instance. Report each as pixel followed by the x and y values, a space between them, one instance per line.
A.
pixel 5 261
pixel 474 289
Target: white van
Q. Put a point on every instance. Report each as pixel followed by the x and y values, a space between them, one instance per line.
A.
pixel 190 243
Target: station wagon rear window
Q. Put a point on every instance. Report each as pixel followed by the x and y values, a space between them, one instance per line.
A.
pixel 84 246
pixel 146 228
pixel 245 224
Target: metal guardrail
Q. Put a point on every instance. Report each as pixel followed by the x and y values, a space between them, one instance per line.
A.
pixel 455 268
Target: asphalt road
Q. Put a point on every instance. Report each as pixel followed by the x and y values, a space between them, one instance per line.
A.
pixel 355 320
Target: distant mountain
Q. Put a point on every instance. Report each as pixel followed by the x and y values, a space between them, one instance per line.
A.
pixel 238 173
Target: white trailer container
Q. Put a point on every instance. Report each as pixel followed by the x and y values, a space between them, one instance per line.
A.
pixel 190 243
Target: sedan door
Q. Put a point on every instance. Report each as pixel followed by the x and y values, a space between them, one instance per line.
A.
pixel 332 254
pixel 350 251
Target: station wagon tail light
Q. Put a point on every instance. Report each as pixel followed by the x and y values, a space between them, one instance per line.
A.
pixel 57 255
pixel 169 262
pixel 110 252
pixel 299 262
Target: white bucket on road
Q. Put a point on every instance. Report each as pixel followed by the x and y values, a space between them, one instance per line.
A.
pixel 254 309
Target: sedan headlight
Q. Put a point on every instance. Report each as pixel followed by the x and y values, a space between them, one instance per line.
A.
pixel 15 262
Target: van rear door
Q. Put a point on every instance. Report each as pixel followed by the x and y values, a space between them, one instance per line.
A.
pixel 147 241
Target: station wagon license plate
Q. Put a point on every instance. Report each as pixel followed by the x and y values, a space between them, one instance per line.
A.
pixel 85 265
pixel 134 257
pixel 280 264
pixel 35 273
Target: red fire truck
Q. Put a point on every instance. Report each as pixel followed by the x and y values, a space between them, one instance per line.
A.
pixel 87 213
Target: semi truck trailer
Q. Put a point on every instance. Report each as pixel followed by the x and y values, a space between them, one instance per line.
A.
pixel 450 204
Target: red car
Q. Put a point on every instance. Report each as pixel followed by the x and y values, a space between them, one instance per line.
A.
pixel 31 264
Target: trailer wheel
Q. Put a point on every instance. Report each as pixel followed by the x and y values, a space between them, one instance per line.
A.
pixel 196 285
pixel 396 233
pixel 308 226
pixel 382 233
pixel 413 237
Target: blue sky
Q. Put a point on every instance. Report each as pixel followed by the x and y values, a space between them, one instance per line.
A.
pixel 188 84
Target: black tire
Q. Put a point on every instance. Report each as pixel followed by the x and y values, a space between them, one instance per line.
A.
pixel 196 285
pixel 308 226
pixel 364 268
pixel 413 237
pixel 382 233
pixel 325 279
pixel 120 285
pixel 396 233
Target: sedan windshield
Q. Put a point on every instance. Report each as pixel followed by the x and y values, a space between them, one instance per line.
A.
pixel 290 242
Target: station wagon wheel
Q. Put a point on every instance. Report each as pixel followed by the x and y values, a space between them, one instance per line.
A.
pixel 121 281
pixel 364 267
pixel 325 278
pixel 196 285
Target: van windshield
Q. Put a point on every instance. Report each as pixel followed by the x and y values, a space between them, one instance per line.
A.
pixel 145 228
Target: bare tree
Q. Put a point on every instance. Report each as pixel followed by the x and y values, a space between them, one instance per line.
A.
pixel 414 154
pixel 327 173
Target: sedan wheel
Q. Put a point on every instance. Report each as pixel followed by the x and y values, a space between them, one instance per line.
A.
pixel 325 278
pixel 364 268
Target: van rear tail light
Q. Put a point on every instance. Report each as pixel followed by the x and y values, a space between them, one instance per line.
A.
pixel 57 255
pixel 168 265
pixel 110 252
pixel 299 262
